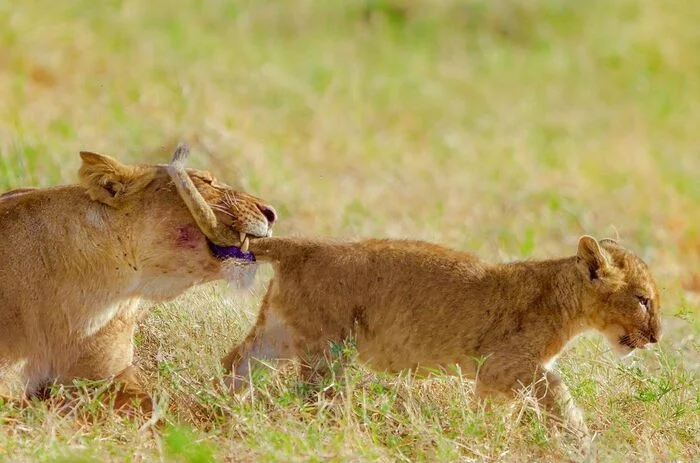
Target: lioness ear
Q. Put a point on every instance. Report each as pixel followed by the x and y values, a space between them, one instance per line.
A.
pixel 590 252
pixel 104 177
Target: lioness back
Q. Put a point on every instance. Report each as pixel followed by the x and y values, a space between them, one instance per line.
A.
pixel 29 217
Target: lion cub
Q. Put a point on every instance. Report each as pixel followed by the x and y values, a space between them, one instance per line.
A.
pixel 413 305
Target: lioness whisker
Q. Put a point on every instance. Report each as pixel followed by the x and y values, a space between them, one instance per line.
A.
pixel 223 210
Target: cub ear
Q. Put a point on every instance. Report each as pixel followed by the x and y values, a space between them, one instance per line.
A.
pixel 104 177
pixel 591 254
pixel 610 243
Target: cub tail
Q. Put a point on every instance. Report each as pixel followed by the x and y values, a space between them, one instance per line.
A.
pixel 279 249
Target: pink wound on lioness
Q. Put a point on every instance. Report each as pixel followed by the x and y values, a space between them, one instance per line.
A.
pixel 188 236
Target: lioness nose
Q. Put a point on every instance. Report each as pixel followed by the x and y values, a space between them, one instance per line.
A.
pixel 652 338
pixel 269 213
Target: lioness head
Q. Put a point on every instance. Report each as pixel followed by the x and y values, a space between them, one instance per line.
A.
pixel 621 294
pixel 156 212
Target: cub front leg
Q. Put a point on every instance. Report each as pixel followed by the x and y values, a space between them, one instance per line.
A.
pixel 130 395
pixel 269 339
pixel 511 376
pixel 553 394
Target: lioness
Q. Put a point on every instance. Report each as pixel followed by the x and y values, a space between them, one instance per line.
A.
pixel 78 259
pixel 414 305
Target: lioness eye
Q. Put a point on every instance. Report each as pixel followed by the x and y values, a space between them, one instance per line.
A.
pixel 644 301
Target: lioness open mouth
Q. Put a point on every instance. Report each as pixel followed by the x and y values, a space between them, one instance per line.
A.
pixel 224 242
pixel 232 252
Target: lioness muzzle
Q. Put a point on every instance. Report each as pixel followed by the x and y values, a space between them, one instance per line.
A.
pixel 201 211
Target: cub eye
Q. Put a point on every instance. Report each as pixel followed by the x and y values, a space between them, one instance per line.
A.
pixel 644 302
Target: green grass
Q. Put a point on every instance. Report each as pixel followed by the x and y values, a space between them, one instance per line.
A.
pixel 505 128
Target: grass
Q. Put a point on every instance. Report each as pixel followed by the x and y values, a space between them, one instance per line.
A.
pixel 505 128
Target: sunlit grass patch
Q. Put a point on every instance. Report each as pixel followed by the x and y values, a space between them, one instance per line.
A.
pixel 503 128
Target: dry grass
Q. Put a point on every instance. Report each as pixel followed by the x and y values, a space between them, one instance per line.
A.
pixel 506 128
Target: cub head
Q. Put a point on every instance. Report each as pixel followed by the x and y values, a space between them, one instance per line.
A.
pixel 620 294
pixel 168 221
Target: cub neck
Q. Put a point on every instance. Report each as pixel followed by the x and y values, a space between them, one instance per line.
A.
pixel 554 290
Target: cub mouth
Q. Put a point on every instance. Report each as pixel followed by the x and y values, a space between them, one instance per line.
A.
pixel 627 342
pixel 233 252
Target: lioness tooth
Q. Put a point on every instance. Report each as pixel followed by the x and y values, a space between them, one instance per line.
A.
pixel 244 246
pixel 241 236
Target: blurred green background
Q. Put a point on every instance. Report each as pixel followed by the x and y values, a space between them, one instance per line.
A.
pixel 507 128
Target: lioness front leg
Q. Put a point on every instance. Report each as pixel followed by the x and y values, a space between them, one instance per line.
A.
pixel 270 339
pixel 109 354
pixel 510 376
pixel 15 402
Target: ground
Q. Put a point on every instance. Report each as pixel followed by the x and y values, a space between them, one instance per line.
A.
pixel 504 128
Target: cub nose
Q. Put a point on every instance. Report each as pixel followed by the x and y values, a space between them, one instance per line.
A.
pixel 269 213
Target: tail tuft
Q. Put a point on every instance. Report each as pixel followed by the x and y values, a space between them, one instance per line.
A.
pixel 180 155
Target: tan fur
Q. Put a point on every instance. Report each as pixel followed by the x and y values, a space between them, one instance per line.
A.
pixel 77 260
pixel 413 305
